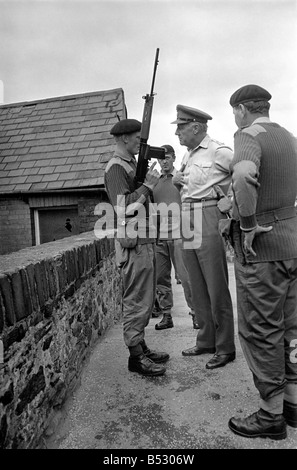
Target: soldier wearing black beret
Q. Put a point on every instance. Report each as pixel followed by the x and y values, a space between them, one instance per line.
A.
pixel 135 255
pixel 248 93
pixel 126 126
pixel 264 175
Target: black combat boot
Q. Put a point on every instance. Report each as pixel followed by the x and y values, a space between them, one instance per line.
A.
pixel 290 413
pixel 139 362
pixel 155 356
pixel 165 323
pixel 195 323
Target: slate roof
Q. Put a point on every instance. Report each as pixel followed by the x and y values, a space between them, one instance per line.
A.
pixel 58 143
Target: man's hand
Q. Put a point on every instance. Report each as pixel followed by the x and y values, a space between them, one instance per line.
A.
pixel 178 179
pixel 249 238
pixel 152 177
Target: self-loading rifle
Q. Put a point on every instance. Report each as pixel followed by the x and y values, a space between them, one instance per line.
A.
pixel 147 152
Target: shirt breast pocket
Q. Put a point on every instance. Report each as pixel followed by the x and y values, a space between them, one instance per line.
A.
pixel 201 172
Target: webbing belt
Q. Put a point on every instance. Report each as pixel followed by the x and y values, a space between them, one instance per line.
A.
pixel 276 215
pixel 199 203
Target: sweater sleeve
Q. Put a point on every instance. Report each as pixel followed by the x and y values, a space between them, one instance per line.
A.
pixel 245 174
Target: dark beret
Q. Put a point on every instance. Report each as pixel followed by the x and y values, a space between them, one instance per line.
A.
pixel 168 149
pixel 126 126
pixel 186 114
pixel 249 93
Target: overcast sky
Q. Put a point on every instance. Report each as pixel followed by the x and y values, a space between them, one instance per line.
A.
pixel 208 49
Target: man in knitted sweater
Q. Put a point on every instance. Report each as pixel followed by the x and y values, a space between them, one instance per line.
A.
pixel 169 243
pixel 135 256
pixel 264 176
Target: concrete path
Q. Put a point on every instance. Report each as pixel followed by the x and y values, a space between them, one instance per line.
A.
pixel 187 408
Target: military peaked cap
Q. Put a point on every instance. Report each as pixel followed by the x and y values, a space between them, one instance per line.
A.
pixel 249 93
pixel 186 114
pixel 126 126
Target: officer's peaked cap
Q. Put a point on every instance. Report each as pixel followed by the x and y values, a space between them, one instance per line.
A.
pixel 186 114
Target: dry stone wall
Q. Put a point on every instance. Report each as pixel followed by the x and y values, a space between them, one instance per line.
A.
pixel 56 300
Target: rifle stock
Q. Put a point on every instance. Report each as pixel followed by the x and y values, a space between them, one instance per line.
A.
pixel 147 152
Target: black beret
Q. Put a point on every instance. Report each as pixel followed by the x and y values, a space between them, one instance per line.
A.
pixel 249 93
pixel 126 126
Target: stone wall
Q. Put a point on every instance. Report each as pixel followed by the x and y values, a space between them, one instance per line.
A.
pixel 56 300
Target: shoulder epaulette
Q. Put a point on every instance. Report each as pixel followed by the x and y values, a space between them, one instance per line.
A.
pixel 254 130
pixel 221 144
pixel 118 161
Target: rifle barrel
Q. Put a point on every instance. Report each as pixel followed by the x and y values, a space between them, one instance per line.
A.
pixel 155 70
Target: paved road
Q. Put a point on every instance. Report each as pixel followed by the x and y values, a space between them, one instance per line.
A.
pixel 187 408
